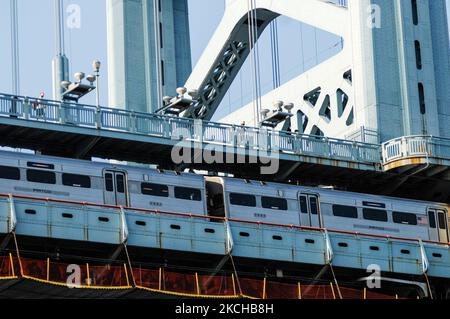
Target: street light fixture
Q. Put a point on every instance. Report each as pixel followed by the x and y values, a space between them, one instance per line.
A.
pixel 79 76
pixel 75 91
pixel 65 84
pixel 96 65
pixel 91 79
pixel 278 115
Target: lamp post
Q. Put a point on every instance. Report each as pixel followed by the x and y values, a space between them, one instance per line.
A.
pixel 96 67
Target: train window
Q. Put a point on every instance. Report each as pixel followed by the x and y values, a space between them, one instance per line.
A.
pixel 242 200
pixel 188 193
pixel 120 182
pixel 432 219
pixel 155 190
pixel 303 205
pixel 314 205
pixel 7 172
pixel 404 218
pixel 43 177
pixel 345 211
pixel 274 203
pixel 76 180
pixel 109 185
pixel 442 221
pixel 375 214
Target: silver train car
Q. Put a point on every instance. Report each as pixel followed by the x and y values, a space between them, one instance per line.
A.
pixel 326 208
pixel 101 183
pixel 120 185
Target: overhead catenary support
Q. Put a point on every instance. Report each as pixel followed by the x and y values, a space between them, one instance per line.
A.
pixel 15 47
pixel 252 40
pixel 276 75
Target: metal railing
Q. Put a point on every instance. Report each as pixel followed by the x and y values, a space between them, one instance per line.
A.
pixel 365 135
pixel 416 146
pixel 226 135
pixel 339 3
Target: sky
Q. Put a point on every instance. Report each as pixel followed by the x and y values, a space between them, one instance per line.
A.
pixel 83 45
pixel 88 42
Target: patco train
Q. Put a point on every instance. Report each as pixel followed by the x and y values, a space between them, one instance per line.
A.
pixel 104 183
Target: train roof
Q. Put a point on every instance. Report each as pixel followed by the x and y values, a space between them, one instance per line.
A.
pixel 95 167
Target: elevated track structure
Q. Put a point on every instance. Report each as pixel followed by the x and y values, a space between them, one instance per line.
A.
pixel 105 230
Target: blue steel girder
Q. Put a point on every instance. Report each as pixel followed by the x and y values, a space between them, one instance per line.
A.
pixel 234 31
pixel 227 65
pixel 281 243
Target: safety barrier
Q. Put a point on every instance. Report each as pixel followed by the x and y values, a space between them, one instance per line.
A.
pixel 416 146
pixel 91 276
pixel 9 267
pixel 166 282
pixel 226 135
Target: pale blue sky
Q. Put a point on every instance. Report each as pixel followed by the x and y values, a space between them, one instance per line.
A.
pixel 89 42
pixel 82 45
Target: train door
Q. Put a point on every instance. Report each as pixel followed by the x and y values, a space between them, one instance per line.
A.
pixel 215 198
pixel 310 210
pixel 438 225
pixel 115 188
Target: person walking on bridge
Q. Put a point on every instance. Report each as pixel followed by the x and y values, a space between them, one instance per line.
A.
pixel 38 107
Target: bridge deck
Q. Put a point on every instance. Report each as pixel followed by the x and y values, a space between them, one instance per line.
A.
pixel 83 131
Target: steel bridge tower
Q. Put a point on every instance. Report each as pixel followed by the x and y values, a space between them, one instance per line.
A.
pixel 391 77
pixel 148 51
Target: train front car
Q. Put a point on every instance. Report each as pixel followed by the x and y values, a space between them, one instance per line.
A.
pixel 50 177
pixel 101 183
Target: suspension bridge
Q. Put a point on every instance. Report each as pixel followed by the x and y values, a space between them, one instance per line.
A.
pixel 356 121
